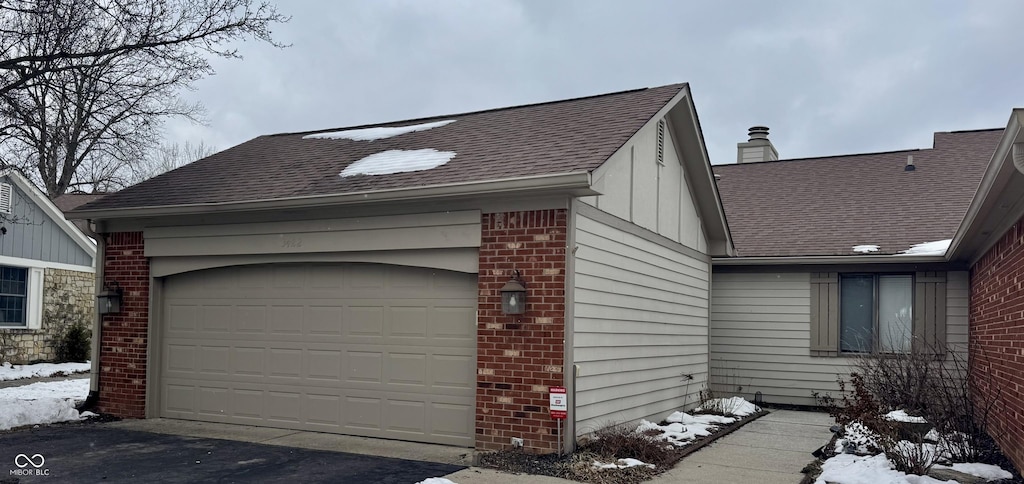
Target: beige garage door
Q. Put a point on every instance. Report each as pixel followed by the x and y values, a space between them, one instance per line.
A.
pixel 362 349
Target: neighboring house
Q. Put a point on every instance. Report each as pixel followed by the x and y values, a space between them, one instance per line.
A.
pixel 839 256
pixel 350 281
pixel 991 241
pixel 46 272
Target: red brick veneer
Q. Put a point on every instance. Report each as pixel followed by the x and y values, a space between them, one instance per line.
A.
pixel 519 357
pixel 997 336
pixel 124 335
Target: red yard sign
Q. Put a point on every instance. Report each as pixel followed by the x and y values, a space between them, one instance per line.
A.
pixel 559 405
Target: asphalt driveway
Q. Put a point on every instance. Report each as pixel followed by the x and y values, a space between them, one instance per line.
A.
pixel 99 453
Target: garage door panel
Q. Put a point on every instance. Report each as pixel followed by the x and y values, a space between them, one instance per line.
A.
pixel 373 350
pixel 214 360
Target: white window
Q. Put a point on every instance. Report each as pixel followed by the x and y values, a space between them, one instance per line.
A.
pixel 21 297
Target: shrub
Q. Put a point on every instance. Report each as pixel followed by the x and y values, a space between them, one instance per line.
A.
pixel 927 382
pixel 73 344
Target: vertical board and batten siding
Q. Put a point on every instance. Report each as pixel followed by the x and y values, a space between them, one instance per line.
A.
pixel 32 234
pixel 654 196
pixel 640 324
pixel 761 336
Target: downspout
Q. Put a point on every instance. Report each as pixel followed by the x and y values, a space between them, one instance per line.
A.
pixel 97 325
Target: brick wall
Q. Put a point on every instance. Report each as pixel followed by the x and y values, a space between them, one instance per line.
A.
pixel 124 335
pixel 997 337
pixel 520 356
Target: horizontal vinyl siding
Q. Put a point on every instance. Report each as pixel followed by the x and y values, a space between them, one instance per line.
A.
pixel 640 323
pixel 760 339
pixel 760 336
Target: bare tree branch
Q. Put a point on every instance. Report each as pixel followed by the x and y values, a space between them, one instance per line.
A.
pixel 85 85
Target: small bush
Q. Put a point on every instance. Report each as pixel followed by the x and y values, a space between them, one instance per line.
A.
pixel 622 441
pixel 73 344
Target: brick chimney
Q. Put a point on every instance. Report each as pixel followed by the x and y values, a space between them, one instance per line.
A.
pixel 757 148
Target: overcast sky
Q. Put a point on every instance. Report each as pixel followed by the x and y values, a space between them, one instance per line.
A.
pixel 827 77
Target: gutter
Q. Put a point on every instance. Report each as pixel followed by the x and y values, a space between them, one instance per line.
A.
pixel 577 183
pixel 828 260
pixel 97 326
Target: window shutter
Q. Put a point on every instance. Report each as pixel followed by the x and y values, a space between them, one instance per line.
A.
pixel 34 299
pixel 824 314
pixel 930 312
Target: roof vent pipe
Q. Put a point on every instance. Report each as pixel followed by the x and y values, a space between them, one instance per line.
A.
pixel 758 132
pixel 910 164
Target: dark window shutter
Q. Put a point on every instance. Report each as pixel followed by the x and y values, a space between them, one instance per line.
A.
pixel 824 314
pixel 930 312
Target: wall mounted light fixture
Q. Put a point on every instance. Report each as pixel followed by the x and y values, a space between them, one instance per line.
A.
pixel 513 295
pixel 109 299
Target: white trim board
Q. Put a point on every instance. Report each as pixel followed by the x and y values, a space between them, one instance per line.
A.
pixel 42 264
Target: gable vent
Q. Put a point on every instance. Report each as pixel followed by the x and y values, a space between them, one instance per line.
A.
pixel 5 197
pixel 661 142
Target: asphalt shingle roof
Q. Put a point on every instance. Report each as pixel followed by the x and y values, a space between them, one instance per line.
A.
pixel 825 206
pixel 540 139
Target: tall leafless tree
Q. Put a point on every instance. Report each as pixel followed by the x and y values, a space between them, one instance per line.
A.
pixel 85 85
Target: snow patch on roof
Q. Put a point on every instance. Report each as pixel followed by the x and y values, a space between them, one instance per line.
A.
pixel 398 161
pixel 372 134
pixel 864 249
pixel 928 248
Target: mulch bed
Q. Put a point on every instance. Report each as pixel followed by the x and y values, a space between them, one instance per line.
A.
pixel 577 465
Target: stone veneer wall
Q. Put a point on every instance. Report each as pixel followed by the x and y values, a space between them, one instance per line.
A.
pixel 68 298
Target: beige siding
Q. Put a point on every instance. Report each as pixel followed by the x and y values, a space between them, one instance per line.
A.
pixel 640 323
pixel 760 336
pixel 652 195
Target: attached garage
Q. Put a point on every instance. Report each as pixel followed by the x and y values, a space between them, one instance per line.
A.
pixel 374 350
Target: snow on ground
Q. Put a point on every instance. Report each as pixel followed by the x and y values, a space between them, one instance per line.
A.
pixel 853 469
pixel 435 480
pixel 398 161
pixel 985 471
pixel 864 249
pixel 736 406
pixel 41 403
pixel 371 134
pixel 856 439
pixel 18 372
pixel 621 464
pixel 928 248
pixel 902 416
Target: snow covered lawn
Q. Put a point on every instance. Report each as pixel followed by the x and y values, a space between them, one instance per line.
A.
pixel 42 403
pixel 38 370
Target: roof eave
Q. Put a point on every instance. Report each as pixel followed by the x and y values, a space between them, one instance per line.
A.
pixel 574 183
pixel 697 165
pixel 828 260
pixel 968 242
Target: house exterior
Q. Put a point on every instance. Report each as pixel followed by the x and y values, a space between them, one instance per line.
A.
pixel 350 281
pixel 991 242
pixel 831 263
pixel 47 280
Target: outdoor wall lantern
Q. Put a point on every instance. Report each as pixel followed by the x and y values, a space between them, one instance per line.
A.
pixel 109 299
pixel 513 296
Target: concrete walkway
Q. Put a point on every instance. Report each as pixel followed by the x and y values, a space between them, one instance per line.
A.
pixel 769 450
